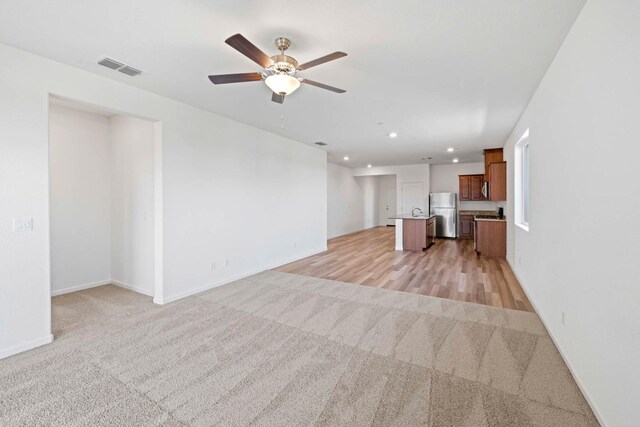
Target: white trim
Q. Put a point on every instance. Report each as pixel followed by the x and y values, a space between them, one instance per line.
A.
pixel 182 295
pixel 518 184
pixel 26 346
pixel 158 191
pixel 130 288
pixel 80 287
pixel 562 353
pixel 399 234
pixel 47 220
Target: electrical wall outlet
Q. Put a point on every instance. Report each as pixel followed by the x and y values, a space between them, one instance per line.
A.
pixel 23 224
pixel 564 318
pixel 213 267
pixel 226 262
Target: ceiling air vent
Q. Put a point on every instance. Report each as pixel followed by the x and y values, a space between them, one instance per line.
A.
pixel 119 66
pixel 322 144
pixel 130 71
pixel 110 63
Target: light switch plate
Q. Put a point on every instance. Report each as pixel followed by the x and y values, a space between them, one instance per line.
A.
pixel 23 224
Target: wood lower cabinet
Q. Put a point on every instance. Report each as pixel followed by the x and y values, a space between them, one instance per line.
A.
pixel 466 227
pixel 470 187
pixel 491 238
pixel 431 231
pixel 414 236
pixel 418 234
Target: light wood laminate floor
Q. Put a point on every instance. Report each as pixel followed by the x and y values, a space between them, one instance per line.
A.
pixel 449 269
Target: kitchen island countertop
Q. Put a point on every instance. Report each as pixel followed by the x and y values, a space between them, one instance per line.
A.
pixel 409 216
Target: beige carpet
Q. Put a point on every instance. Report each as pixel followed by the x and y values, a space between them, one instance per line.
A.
pixel 281 349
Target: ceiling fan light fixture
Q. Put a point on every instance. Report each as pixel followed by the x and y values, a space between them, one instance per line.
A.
pixel 282 83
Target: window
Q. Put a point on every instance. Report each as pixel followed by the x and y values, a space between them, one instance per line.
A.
pixel 522 194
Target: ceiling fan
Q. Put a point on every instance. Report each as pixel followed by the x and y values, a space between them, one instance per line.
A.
pixel 279 70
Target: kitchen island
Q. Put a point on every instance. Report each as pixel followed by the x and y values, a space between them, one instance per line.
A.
pixel 414 233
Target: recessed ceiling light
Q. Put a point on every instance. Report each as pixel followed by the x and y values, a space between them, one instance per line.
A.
pixel 346 157
pixel 393 135
pixel 368 166
pixel 450 149
pixel 455 160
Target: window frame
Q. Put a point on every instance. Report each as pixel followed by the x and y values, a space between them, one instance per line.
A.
pixel 522 195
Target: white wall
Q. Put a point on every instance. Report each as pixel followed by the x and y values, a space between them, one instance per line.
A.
pixel 132 204
pixel 80 199
pixel 581 254
pixel 444 178
pixel 370 203
pixel 345 202
pixel 231 192
pixel 355 203
pixel 405 173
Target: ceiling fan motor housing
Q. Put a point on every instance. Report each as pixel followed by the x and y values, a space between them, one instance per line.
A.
pixel 283 64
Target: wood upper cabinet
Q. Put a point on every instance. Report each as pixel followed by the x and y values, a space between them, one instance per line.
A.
pixel 491 155
pixel 495 174
pixel 476 187
pixel 498 181
pixel 466 226
pixel 464 185
pixel 470 187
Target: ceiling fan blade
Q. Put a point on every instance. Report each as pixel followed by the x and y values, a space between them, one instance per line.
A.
pixel 322 85
pixel 248 49
pixel 277 98
pixel 326 58
pixel 221 79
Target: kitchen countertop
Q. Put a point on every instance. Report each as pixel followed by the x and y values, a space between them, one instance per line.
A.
pixel 496 219
pixel 474 213
pixel 408 216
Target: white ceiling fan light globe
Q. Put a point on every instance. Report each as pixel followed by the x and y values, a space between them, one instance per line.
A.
pixel 282 83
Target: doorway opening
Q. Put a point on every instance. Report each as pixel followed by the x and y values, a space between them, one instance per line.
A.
pixel 105 202
pixel 379 199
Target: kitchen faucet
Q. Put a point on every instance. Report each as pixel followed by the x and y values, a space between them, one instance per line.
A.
pixel 414 210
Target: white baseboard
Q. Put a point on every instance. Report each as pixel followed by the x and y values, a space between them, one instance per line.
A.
pixel 562 353
pixel 344 234
pixel 353 232
pixel 26 346
pixel 188 293
pixel 79 287
pixel 130 287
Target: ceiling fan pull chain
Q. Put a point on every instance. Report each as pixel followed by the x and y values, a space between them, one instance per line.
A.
pixel 282 120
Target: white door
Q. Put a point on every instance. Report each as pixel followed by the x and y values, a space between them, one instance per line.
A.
pixel 392 201
pixel 411 196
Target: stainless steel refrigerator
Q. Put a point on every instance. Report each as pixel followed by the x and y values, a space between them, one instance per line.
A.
pixel 445 207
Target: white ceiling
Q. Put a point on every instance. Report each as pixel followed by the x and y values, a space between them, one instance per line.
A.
pixel 454 73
